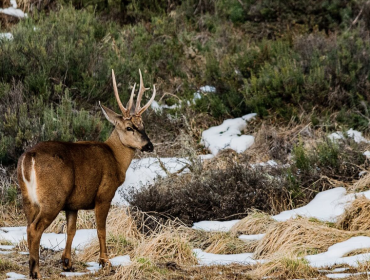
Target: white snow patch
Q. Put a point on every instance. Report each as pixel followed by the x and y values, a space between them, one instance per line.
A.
pixel 159 108
pixel 13 11
pixel 344 275
pixel 116 261
pixel 207 89
pixel 197 95
pixel 13 234
pixel 6 252
pixel 367 154
pixel 7 36
pixel 13 275
pixel 227 135
pixel 335 253
pixel 92 266
pixel 49 240
pixel 120 260
pixel 73 274
pixel 250 237
pixel 57 242
pixel 326 206
pixel 142 172
pixel 6 247
pixel 356 135
pixel 205 157
pixel 215 225
pixel 217 259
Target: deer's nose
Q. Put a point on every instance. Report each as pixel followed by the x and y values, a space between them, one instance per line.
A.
pixel 148 147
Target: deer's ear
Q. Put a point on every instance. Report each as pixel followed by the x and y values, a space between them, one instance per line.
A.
pixel 110 115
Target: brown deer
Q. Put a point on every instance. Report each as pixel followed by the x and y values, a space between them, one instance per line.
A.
pixel 55 176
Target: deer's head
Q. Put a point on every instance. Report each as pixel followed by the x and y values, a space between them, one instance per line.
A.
pixel 129 125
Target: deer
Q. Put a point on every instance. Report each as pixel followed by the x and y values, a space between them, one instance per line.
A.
pixel 62 176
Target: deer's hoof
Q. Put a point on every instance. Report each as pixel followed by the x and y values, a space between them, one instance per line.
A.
pixel 104 262
pixel 67 264
pixel 35 275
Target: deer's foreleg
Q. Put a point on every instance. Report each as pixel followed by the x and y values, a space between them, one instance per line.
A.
pixel 101 213
pixel 71 217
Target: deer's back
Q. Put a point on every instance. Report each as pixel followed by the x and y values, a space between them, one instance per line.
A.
pixel 71 175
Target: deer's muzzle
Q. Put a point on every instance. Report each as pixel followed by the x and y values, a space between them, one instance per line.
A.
pixel 148 147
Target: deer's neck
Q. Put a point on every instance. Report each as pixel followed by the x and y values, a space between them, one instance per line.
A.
pixel 123 154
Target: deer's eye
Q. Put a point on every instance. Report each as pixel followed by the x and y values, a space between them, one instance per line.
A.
pixel 129 129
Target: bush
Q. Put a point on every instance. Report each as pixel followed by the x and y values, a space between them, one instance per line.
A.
pixel 217 194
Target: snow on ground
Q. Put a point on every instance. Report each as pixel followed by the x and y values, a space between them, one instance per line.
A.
pixel 335 253
pixel 6 252
pixel 326 206
pixel 215 225
pixel 197 95
pixel 6 247
pixel 228 135
pixel 344 275
pixel 217 259
pixel 13 275
pixel 92 267
pixel 7 35
pixel 73 274
pixel 142 172
pixel 13 11
pixel 250 237
pixel 356 135
pixel 52 241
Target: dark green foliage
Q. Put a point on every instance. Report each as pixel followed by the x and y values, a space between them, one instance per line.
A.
pixel 61 63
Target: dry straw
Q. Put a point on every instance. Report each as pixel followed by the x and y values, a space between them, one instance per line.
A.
pixel 356 216
pixel 285 266
pixel 300 237
pixel 256 222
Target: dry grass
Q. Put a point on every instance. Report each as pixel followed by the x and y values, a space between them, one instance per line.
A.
pixel 356 215
pixel 256 222
pixel 300 237
pixel 285 266
pixel 219 242
pixel 85 220
pixel 362 184
pixel 122 235
pixel 167 248
pixel 11 215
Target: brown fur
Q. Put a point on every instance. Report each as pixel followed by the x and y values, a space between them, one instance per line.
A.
pixel 56 176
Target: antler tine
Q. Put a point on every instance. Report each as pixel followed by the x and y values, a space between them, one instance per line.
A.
pixel 148 104
pixel 131 101
pixel 123 109
pixel 140 94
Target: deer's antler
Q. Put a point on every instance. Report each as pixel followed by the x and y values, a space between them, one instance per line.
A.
pixel 138 110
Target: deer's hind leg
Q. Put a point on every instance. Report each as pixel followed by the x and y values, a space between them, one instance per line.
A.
pixel 71 217
pixel 34 233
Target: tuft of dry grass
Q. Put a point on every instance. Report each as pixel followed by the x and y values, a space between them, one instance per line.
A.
pixel 85 220
pixel 167 248
pixel 285 266
pixel 7 265
pixel 11 215
pixel 356 215
pixel 256 222
pixel 220 242
pixel 363 184
pixel 300 237
pixel 122 235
